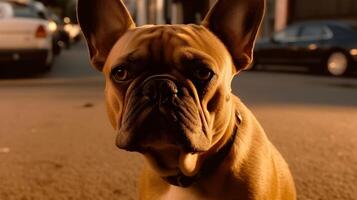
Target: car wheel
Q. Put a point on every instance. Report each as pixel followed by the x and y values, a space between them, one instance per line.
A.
pixel 337 63
pixel 48 62
pixel 56 48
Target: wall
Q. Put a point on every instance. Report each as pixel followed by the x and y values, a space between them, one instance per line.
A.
pixel 322 9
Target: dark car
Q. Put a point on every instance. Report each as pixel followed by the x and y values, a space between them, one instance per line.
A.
pixel 324 46
pixel 62 36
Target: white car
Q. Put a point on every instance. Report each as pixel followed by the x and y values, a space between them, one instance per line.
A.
pixel 25 37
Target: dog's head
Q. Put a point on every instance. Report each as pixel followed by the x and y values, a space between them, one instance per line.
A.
pixel 168 87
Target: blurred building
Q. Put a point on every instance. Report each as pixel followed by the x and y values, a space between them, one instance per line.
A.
pixel 182 12
pixel 63 8
pixel 289 11
pixel 279 13
pixel 168 11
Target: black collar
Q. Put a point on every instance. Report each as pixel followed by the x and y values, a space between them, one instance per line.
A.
pixel 209 165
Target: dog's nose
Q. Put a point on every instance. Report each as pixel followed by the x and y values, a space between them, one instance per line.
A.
pixel 160 91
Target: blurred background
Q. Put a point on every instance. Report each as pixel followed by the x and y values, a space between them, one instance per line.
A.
pixel 56 141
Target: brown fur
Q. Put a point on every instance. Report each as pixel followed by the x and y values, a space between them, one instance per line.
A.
pixel 253 168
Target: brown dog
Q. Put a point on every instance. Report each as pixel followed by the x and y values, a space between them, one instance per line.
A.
pixel 168 94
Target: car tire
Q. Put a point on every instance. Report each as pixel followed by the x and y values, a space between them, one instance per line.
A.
pixel 337 63
pixel 46 65
pixel 56 47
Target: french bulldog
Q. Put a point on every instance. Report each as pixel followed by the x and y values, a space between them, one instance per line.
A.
pixel 168 96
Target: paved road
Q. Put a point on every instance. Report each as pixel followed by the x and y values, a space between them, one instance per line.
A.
pixel 56 143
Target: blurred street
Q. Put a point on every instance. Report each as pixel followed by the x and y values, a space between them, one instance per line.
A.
pixel 56 142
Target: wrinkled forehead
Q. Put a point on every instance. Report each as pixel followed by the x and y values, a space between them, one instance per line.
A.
pixel 169 44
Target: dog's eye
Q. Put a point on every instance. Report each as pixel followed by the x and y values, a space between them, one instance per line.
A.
pixel 119 74
pixel 203 74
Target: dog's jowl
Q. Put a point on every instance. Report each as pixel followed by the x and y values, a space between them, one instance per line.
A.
pixel 168 96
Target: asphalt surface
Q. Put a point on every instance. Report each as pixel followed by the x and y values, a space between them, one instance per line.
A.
pixel 56 142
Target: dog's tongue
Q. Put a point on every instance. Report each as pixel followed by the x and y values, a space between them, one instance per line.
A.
pixel 189 164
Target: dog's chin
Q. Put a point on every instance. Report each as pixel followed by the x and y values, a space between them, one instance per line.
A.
pixel 168 149
pixel 172 161
pixel 168 156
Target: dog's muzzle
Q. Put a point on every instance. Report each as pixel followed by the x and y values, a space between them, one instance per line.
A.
pixel 152 114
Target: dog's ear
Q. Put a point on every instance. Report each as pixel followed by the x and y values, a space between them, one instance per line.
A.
pixel 103 22
pixel 236 23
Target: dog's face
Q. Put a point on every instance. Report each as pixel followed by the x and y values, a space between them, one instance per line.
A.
pixel 168 87
pixel 164 88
